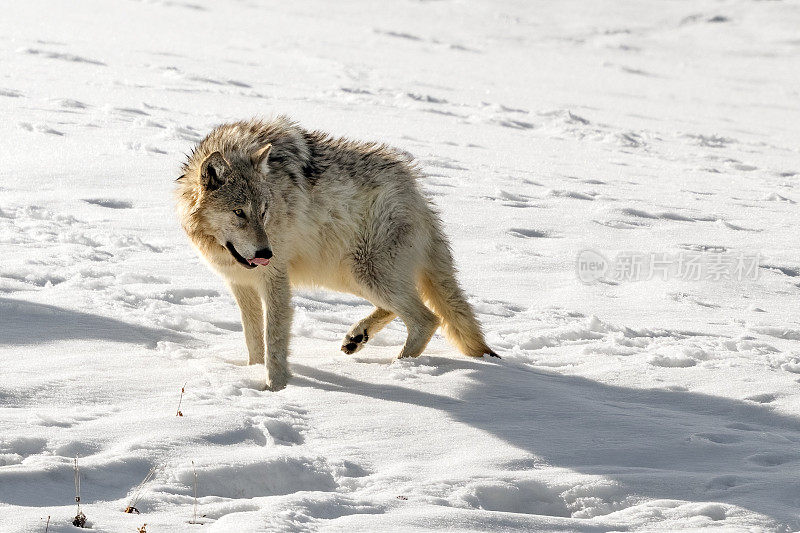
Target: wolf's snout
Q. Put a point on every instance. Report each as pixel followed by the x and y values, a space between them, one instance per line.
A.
pixel 264 253
pixel 262 257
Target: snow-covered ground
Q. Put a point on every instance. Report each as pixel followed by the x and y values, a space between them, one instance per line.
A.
pixel 545 129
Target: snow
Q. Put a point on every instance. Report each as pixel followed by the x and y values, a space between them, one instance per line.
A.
pixel 544 129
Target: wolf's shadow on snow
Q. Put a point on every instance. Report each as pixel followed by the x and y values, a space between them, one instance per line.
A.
pixel 25 323
pixel 654 443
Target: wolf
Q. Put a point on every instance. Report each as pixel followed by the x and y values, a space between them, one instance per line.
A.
pixel 270 205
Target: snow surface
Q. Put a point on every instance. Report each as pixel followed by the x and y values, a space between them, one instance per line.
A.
pixel 544 128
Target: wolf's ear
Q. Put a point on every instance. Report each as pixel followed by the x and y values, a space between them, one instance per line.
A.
pixel 260 158
pixel 213 172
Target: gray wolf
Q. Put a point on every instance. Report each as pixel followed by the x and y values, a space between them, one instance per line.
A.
pixel 270 205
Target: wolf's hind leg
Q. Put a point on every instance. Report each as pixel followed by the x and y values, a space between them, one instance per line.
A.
pixel 252 311
pixel 362 330
pixel 420 322
pixel 403 300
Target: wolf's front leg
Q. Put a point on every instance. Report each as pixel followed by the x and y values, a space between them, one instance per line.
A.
pixel 279 324
pixel 252 309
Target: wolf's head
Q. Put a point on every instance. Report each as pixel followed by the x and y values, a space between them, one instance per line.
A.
pixel 234 204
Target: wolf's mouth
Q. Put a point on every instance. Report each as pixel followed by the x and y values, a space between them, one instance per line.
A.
pixel 236 255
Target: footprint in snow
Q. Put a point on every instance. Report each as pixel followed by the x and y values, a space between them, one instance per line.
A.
pixel 718 438
pixel 671 362
pixel 497 308
pixel 68 103
pixel 743 167
pixel 226 325
pixel 462 48
pixel 763 398
pixel 528 233
pixel 180 296
pixel 282 433
pixel 443 162
pixel 147 148
pixel 768 459
pixel 621 224
pixel 513 124
pixel 398 35
pixel 62 56
pixel 131 111
pixel 740 426
pixel 41 128
pixel 638 216
pixel 709 141
pixel 273 476
pixel 723 483
pixel 15 450
pixel 734 227
pixel 703 248
pixel 428 99
pixel 666 215
pixel 355 90
pixel 510 199
pixel 76 448
pixel 572 194
pixel 109 203
pixel 775 197
pixel 515 496
pixel 445 113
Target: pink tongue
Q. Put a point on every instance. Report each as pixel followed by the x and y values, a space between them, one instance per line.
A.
pixel 259 261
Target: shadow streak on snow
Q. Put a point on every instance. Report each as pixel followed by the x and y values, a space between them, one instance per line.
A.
pixel 654 443
pixel 23 323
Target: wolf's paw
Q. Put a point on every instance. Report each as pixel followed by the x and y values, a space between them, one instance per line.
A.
pixel 274 385
pixel 276 380
pixel 353 343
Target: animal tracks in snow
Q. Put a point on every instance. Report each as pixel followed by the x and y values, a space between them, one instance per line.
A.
pixel 109 203
pixel 61 56
pixel 528 233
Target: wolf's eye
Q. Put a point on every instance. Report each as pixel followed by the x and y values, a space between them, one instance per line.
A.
pixel 239 213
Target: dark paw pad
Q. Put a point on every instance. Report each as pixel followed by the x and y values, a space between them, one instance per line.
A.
pixel 354 343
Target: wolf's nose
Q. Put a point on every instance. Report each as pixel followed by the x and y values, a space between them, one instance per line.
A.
pixel 264 253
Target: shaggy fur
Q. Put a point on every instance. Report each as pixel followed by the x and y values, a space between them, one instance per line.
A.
pixel 325 212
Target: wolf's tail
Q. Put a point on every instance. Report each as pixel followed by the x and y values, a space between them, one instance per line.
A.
pixel 439 288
